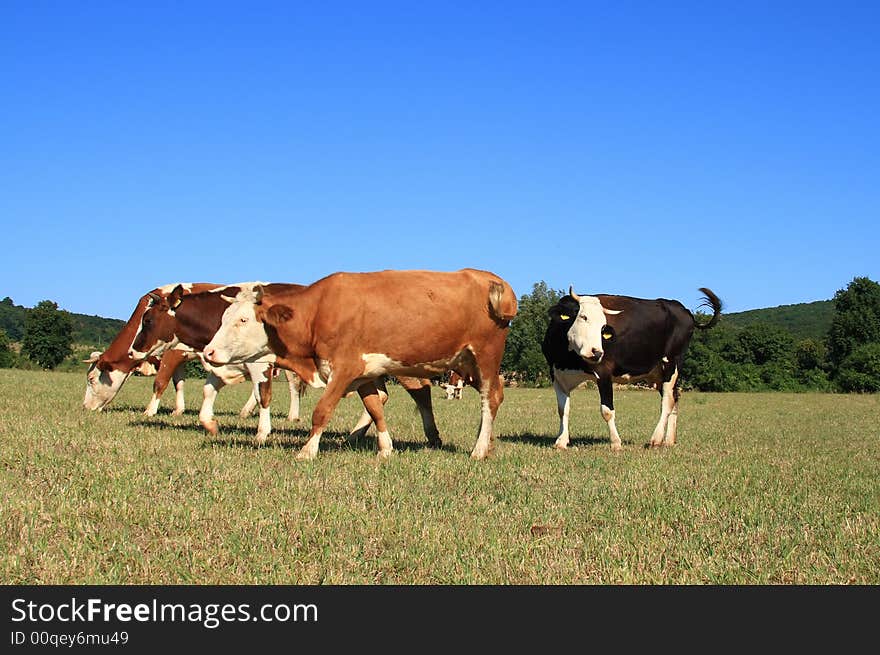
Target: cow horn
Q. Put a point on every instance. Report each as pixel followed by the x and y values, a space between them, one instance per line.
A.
pixel 228 299
pixel 93 357
pixel 572 293
pixel 612 312
pixel 258 294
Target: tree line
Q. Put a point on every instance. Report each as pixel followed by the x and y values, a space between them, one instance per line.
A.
pixel 758 356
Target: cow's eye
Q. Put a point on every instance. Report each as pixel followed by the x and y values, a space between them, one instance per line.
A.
pixel 583 317
pixel 243 319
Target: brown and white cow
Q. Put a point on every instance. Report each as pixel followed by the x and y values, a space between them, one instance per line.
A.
pixel 109 370
pixel 189 321
pixel 349 329
pixel 609 338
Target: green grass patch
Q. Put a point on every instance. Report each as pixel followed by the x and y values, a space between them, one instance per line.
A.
pixel 763 488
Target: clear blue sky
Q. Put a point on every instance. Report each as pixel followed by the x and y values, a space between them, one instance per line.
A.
pixel 642 148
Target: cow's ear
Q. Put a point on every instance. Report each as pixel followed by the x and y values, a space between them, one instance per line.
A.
pixel 277 314
pixel 175 297
pixel 103 365
pixel 559 314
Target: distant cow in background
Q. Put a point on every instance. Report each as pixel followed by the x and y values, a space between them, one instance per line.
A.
pixel 611 339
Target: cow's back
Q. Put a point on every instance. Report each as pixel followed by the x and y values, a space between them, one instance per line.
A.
pixel 411 315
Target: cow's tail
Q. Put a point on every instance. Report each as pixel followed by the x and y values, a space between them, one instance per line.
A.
pixel 502 302
pixel 714 302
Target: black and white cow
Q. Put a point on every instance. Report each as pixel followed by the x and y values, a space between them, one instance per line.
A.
pixel 620 339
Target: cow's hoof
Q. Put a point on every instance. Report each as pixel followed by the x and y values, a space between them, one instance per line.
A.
pixel 435 443
pixel 294 419
pixel 385 454
pixel 177 412
pixel 149 412
pixel 560 446
pixel 303 456
pixel 260 439
pixel 211 427
pixel 616 448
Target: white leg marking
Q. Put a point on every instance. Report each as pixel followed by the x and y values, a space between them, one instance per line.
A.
pixel 310 450
pixel 292 384
pixel 484 437
pixel 209 392
pixel 667 403
pixel 179 402
pixel 608 415
pixel 152 406
pixel 563 405
pixel 385 445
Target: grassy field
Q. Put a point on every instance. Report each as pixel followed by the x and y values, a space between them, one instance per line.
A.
pixel 762 488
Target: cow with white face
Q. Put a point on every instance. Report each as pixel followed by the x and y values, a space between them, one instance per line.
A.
pixel 109 370
pixel 609 338
pixel 188 321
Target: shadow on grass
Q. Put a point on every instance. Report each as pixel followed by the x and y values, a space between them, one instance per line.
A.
pixel 234 436
pixel 542 440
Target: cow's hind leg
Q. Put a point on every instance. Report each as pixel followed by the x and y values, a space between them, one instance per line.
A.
pixel 420 391
pixel 249 406
pixel 297 388
pixel 606 400
pixel 668 402
pixel 491 390
pixel 178 378
pixel 359 431
pixel 373 404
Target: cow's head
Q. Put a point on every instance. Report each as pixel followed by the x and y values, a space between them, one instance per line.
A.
pixel 588 330
pixel 103 382
pixel 242 335
pixel 156 332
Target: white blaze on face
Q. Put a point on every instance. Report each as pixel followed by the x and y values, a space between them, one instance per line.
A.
pixel 241 336
pixel 102 387
pixel 585 334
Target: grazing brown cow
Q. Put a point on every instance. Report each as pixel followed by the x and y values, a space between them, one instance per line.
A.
pixel 109 370
pixel 189 321
pixel 348 329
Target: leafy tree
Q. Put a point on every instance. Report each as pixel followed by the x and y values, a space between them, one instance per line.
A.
pixel 7 355
pixel 760 344
pixel 48 334
pixel 860 371
pixel 522 353
pixel 810 354
pixel 856 319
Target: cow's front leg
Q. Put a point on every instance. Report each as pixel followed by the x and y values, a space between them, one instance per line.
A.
pixel 261 377
pixel 606 400
pixel 563 406
pixel 212 387
pixel 336 388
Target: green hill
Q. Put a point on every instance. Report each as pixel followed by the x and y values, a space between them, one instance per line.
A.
pixel 809 320
pixel 89 330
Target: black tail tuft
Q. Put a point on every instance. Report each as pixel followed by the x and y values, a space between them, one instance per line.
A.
pixel 714 302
